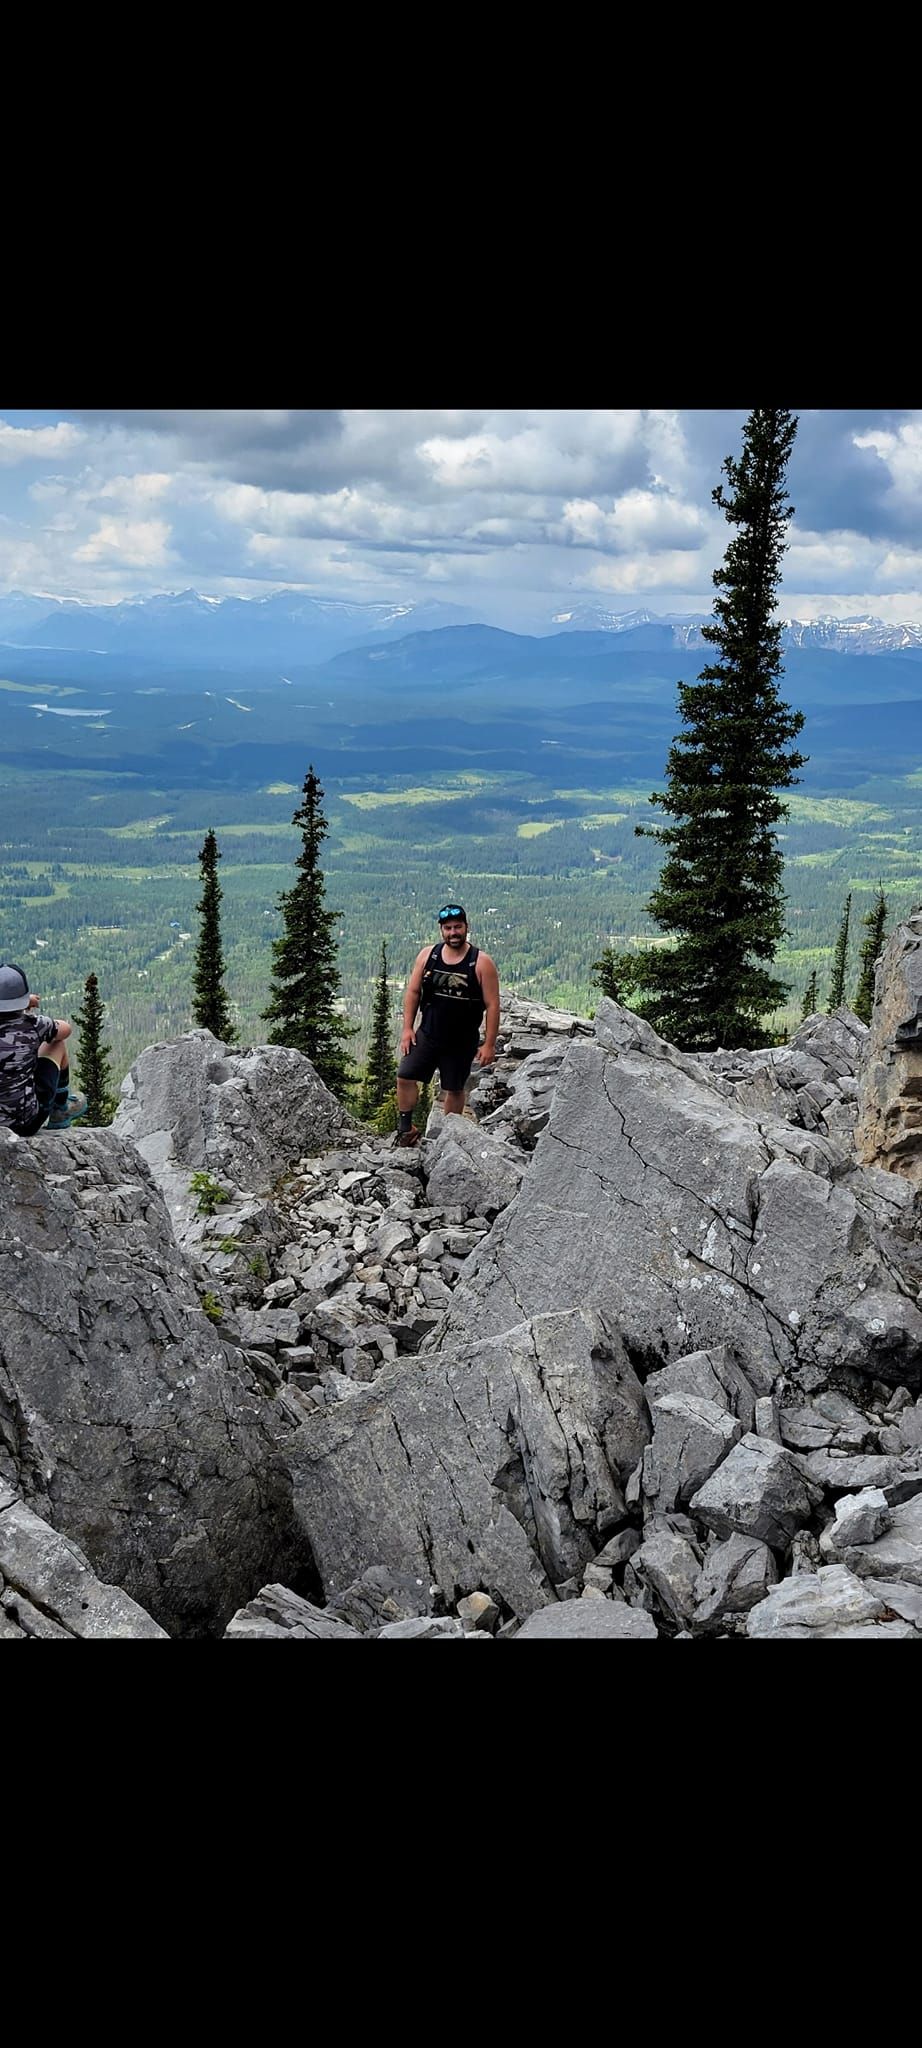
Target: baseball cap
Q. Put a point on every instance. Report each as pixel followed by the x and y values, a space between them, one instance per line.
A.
pixel 14 988
pixel 452 910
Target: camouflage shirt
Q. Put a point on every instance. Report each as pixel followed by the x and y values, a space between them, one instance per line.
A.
pixel 20 1038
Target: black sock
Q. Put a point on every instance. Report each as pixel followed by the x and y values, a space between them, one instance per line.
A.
pixel 62 1090
pixel 404 1119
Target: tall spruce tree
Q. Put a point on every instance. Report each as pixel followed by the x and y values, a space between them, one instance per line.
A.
pixel 810 1002
pixel 840 959
pixel 93 1071
pixel 210 1006
pixel 305 976
pixel 719 891
pixel 874 921
pixel 380 1075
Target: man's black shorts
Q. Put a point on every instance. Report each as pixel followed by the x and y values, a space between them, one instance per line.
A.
pixel 47 1076
pixel 454 1062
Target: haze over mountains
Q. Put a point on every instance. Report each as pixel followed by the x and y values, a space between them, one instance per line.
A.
pixel 188 629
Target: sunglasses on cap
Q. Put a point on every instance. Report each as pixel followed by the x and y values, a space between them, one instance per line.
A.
pixel 451 910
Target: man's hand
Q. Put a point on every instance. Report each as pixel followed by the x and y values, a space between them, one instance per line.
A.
pixel 485 1054
pixel 33 1001
pixel 407 1041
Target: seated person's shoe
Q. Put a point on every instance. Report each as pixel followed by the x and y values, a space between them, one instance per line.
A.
pixel 64 1113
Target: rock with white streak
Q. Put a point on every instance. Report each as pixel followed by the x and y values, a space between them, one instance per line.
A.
pixel 829 1603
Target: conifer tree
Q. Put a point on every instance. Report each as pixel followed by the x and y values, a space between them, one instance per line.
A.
pixel 719 891
pixel 606 974
pixel 808 1007
pixel 874 921
pixel 380 1076
pixel 305 976
pixel 840 960
pixel 210 1007
pixel 93 1071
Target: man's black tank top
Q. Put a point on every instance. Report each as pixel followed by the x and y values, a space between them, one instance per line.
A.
pixel 451 998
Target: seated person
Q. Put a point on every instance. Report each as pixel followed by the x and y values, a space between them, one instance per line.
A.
pixel 34 1071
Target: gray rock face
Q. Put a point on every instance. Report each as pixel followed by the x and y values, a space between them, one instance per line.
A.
pixel 48 1588
pixel 889 1127
pixel 691 1437
pixel 830 1602
pixel 589 1620
pixel 665 1568
pixel 734 1577
pixel 194 1106
pixel 125 1422
pixel 496 1466
pixel 809 1082
pixel 467 1168
pixel 715 1375
pixel 279 1615
pixel 897 1553
pixel 757 1491
pixel 691 1226
pixel 859 1518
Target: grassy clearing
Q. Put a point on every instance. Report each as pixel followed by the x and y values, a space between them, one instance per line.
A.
pixel 832 810
pixel 377 799
pixel 139 829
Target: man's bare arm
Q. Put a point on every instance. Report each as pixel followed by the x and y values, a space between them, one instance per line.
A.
pixel 411 1002
pixel 489 982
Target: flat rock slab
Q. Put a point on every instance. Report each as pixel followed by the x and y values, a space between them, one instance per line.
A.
pixel 593 1619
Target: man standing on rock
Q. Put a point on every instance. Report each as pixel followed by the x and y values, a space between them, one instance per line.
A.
pixel 453 984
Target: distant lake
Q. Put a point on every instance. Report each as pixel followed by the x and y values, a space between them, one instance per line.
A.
pixel 59 711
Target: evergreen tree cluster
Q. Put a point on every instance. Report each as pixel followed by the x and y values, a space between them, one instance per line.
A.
pixel 874 922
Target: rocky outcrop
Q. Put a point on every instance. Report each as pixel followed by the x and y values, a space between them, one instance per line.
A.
pixel 633 1353
pixel 48 1589
pixel 194 1106
pixel 691 1225
pixel 889 1127
pixel 496 1465
pixel 125 1420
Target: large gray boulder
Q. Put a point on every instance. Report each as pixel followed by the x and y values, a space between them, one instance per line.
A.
pixel 125 1421
pixel 689 1225
pixel 833 1603
pixel 468 1168
pixel 192 1105
pixel 759 1491
pixel 497 1466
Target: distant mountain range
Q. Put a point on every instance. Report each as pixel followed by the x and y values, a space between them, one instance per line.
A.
pixel 183 626
pixel 861 635
pixel 195 631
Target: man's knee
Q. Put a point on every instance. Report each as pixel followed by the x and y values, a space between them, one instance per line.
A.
pixel 56 1052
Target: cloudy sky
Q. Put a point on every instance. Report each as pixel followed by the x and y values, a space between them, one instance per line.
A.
pixel 515 515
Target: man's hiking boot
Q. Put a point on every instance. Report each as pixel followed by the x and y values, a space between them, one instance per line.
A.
pixel 410 1137
pixel 64 1113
